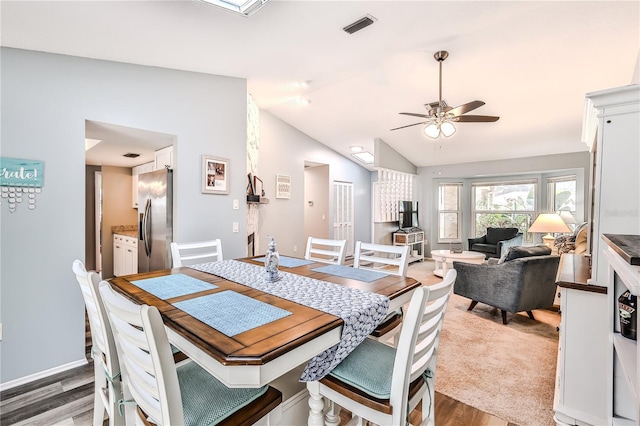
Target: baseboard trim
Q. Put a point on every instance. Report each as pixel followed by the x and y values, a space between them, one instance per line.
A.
pixel 42 374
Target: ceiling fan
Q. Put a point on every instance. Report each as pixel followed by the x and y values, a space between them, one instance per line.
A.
pixel 440 116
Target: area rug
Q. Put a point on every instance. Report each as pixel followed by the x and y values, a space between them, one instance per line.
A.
pixel 504 370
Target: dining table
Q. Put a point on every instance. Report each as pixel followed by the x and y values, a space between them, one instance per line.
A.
pixel 227 317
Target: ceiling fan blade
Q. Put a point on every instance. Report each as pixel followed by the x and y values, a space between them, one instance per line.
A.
pixel 409 125
pixel 475 118
pixel 464 108
pixel 415 115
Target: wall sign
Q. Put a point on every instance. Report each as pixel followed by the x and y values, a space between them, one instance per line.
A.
pixel 19 180
pixel 283 186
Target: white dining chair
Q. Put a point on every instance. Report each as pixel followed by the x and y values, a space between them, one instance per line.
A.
pixel 326 251
pixel 184 254
pixel 381 257
pixel 402 377
pixel 107 383
pixel 170 395
pixel 391 260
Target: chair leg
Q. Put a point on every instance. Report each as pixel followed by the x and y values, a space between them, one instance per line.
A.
pixel 530 313
pixel 504 316
pixel 472 305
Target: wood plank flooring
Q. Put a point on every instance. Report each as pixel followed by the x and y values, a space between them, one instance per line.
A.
pixel 67 399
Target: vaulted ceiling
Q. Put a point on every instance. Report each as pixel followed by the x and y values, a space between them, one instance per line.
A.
pixel 531 62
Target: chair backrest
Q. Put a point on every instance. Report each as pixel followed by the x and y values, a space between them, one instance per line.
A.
pixel 326 251
pixel 389 259
pixel 500 234
pixel 184 254
pixel 101 334
pixel 148 369
pixel 418 344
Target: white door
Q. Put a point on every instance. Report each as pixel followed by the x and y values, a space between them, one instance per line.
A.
pixel 343 214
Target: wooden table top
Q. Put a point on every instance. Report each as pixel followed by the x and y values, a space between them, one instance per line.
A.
pixel 262 344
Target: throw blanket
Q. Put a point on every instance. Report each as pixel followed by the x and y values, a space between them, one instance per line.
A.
pixel 361 311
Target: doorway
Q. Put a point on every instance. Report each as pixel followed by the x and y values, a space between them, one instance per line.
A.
pixel 111 152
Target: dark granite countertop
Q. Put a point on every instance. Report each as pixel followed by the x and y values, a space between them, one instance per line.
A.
pixel 627 246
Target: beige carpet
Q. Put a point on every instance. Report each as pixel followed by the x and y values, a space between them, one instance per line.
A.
pixel 505 370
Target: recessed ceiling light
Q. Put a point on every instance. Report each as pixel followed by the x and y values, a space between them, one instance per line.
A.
pixel 365 157
pixel 242 7
pixel 356 148
pixel 304 101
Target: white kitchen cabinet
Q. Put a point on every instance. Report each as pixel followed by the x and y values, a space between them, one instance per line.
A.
pixel 125 255
pixel 135 171
pixel 164 158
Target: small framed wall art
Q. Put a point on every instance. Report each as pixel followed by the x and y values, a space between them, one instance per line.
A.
pixel 215 175
pixel 283 186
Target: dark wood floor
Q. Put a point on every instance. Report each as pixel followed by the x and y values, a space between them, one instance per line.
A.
pixel 67 399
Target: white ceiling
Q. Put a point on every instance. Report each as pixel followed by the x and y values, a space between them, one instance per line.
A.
pixel 531 62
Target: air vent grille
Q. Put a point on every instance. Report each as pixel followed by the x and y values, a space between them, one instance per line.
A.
pixel 131 155
pixel 360 24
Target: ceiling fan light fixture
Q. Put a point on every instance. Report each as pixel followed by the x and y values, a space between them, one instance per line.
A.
pixel 432 130
pixel 447 128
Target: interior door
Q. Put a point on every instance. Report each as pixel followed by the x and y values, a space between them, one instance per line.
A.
pixel 343 214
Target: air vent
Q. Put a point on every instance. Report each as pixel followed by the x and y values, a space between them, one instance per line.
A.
pixel 360 24
pixel 131 155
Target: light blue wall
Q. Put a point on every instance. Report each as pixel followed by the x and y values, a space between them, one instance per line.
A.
pixel 45 102
pixel 283 150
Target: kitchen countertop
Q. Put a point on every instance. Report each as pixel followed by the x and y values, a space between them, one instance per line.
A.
pixel 128 230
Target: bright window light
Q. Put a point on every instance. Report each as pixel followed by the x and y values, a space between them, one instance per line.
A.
pixel 243 7
pixel 366 157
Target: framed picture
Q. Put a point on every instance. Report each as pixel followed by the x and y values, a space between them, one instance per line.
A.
pixel 283 186
pixel 215 172
pixel 251 189
pixel 258 187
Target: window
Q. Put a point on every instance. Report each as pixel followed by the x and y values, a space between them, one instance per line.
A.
pixel 449 223
pixel 562 194
pixel 503 205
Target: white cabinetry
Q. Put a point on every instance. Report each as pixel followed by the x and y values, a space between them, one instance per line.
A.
pixel 135 171
pixel 623 257
pixel 125 255
pixel 415 241
pixel 581 388
pixel 616 191
pixel 164 158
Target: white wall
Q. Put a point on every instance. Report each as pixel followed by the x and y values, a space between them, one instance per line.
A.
pixel 45 101
pixel 539 168
pixel 283 150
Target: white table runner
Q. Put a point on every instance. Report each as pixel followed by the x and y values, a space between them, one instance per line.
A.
pixel 361 311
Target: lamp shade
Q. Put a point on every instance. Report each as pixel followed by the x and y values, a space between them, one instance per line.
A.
pixel 567 217
pixel 549 222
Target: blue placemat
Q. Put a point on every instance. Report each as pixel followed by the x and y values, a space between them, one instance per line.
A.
pixel 173 285
pixel 350 272
pixel 231 313
pixel 288 262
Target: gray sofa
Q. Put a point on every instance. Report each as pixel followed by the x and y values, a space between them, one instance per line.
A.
pixel 523 280
pixel 496 241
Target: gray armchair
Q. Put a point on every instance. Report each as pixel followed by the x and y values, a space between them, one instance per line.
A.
pixel 496 241
pixel 525 281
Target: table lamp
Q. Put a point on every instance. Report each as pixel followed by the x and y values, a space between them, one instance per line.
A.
pixel 549 223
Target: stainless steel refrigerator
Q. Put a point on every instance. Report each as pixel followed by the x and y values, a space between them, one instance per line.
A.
pixel 155 213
